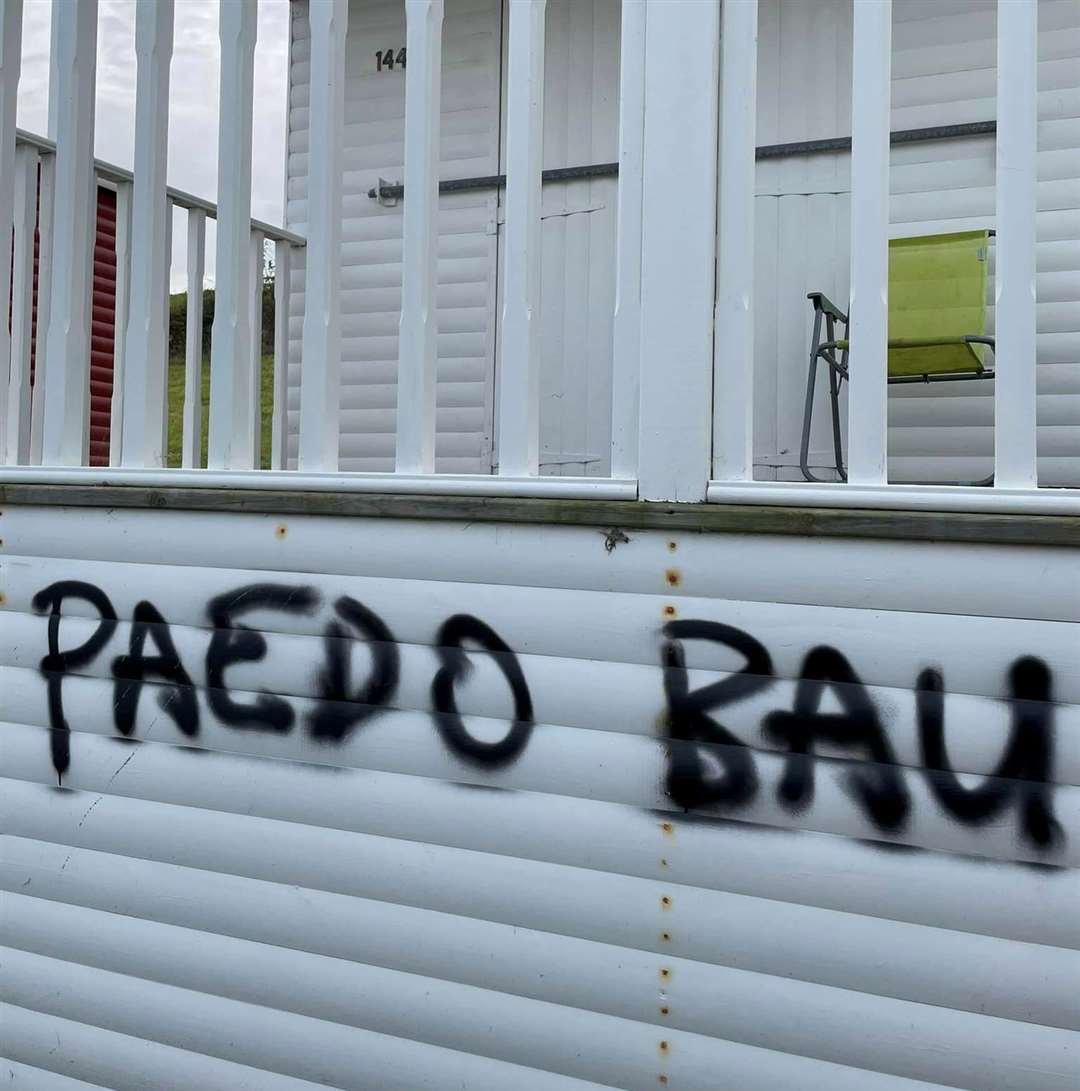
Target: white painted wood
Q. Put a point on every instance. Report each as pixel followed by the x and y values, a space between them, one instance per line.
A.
pixel 11 18
pixel 121 303
pixel 868 333
pixel 46 192
pixel 417 338
pixel 279 419
pixel 146 347
pixel 66 387
pixel 191 444
pixel 678 250
pixel 626 327
pixel 733 361
pixel 320 371
pixel 518 418
pixel 1014 284
pixel 22 307
pixel 257 264
pixel 232 419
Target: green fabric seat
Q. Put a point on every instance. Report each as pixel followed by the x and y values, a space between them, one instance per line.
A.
pixel 937 321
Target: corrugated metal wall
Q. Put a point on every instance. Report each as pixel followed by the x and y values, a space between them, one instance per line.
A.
pixel 265 829
pixel 943 72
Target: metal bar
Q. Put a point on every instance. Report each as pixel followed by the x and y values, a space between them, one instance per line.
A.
pixel 231 412
pixel 257 259
pixel 22 308
pixel 66 388
pixel 519 364
pixel 626 323
pixel 120 320
pixel 279 434
pixel 11 20
pixel 191 444
pixel 678 250
pixel 762 151
pixel 111 173
pixel 869 310
pixel 146 346
pixel 733 340
pixel 1015 453
pixel 46 189
pixel 320 369
pixel 419 327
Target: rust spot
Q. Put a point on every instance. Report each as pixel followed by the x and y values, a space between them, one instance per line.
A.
pixel 668 827
pixel 669 611
pixel 662 1079
pixel 665 901
pixel 665 973
pixel 3 598
pixel 663 861
pixel 665 1045
pixel 665 1010
pixel 281 530
pixel 672 546
pixel 674 577
pixel 665 936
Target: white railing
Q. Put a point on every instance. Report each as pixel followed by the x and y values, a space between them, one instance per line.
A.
pixel 683 340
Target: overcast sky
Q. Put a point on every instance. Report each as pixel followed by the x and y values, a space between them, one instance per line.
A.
pixel 193 100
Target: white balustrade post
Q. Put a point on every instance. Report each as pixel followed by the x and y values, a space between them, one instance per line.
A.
pixel 418 333
pixel 733 363
pixel 678 249
pixel 11 17
pixel 257 259
pixel 626 323
pixel 232 416
pixel 46 190
pixel 519 366
pixel 871 84
pixel 66 387
pixel 146 346
pixel 320 367
pixel 1015 465
pixel 120 317
pixel 191 443
pixel 22 307
pixel 280 415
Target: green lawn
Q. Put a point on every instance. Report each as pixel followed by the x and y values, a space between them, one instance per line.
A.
pixel 176 409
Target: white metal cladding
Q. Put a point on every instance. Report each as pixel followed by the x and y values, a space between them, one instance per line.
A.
pixel 944 71
pixel 364 894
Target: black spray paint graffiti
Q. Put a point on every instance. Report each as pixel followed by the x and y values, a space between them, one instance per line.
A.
pixel 707 764
pixel 1021 778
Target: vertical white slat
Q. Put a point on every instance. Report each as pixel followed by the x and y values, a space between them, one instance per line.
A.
pixel 122 300
pixel 232 416
pixel 320 366
pixel 733 365
pixel 191 443
pixel 46 191
pixel 519 367
pixel 678 249
pixel 255 393
pixel 870 102
pixel 626 323
pixel 1015 465
pixel 11 18
pixel 418 334
pixel 146 346
pixel 170 209
pixel 280 416
pixel 66 388
pixel 22 307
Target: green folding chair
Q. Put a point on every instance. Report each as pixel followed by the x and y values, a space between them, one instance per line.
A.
pixel 937 324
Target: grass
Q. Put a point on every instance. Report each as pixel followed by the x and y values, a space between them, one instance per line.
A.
pixel 176 409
